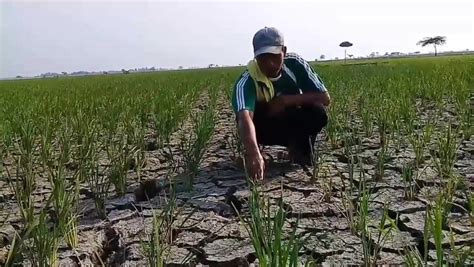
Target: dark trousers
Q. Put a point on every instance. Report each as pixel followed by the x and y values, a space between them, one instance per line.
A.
pixel 296 126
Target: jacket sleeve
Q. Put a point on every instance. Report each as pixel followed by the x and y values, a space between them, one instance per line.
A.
pixel 306 78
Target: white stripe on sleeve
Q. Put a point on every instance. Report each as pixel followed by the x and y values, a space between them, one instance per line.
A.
pixel 240 91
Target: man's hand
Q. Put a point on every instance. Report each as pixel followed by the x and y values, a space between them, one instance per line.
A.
pixel 277 105
pixel 255 165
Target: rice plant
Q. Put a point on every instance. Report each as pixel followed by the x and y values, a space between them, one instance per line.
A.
pixel 235 145
pixel 90 169
pixel 90 133
pixel 121 156
pixel 42 248
pixel 22 180
pixel 193 145
pixel 409 182
pixel 156 246
pixel 65 190
pixel 266 230
pixel 419 141
pixel 444 156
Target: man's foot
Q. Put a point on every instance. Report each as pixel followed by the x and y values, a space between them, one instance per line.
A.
pixel 298 156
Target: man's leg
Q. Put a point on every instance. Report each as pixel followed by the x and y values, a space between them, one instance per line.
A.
pixel 270 130
pixel 306 122
pixel 296 128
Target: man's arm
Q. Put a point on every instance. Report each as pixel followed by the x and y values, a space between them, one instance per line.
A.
pixel 247 131
pixel 309 98
pixel 278 104
pixel 254 161
pixel 313 88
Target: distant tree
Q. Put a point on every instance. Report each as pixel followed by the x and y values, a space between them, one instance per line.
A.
pixel 64 73
pixel 350 56
pixel 322 57
pixel 124 71
pixel 435 41
pixel 180 67
pixel 105 72
pixel 345 44
pixel 372 54
pixel 19 77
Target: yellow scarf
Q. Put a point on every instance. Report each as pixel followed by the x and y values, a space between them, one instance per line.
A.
pixel 265 93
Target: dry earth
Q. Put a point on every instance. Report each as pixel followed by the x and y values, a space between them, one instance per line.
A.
pixel 213 235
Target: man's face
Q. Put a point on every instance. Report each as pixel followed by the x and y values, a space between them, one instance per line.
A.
pixel 271 64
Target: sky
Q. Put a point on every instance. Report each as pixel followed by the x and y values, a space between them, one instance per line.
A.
pixel 54 36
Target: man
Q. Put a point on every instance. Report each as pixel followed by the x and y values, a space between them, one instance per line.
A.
pixel 278 100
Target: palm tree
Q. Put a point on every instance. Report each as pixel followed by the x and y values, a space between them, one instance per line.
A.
pixel 437 40
pixel 345 44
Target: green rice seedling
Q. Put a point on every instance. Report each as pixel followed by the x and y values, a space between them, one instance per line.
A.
pixel 169 112
pixel 351 149
pixel 436 218
pixel 409 183
pixel 362 226
pixel 157 247
pixel 458 256
pixel 23 180
pixel 383 122
pixel 327 186
pixel 99 184
pixel 15 255
pixel 235 144
pixel 444 156
pixel 267 232
pixel 463 100
pixel 435 222
pixel 470 204
pixel 65 190
pixel 334 126
pixel 444 200
pixel 89 150
pixel 426 233
pixel 121 155
pixel 419 141
pixel 397 134
pixel 348 211
pixel 38 243
pixel 413 257
pixel 349 207
pixel 380 165
pixel 317 157
pixel 90 169
pixel 358 219
pixel 466 123
pixel 194 145
pixel 366 114
pixel 384 233
pixel 44 243
pixel 135 131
